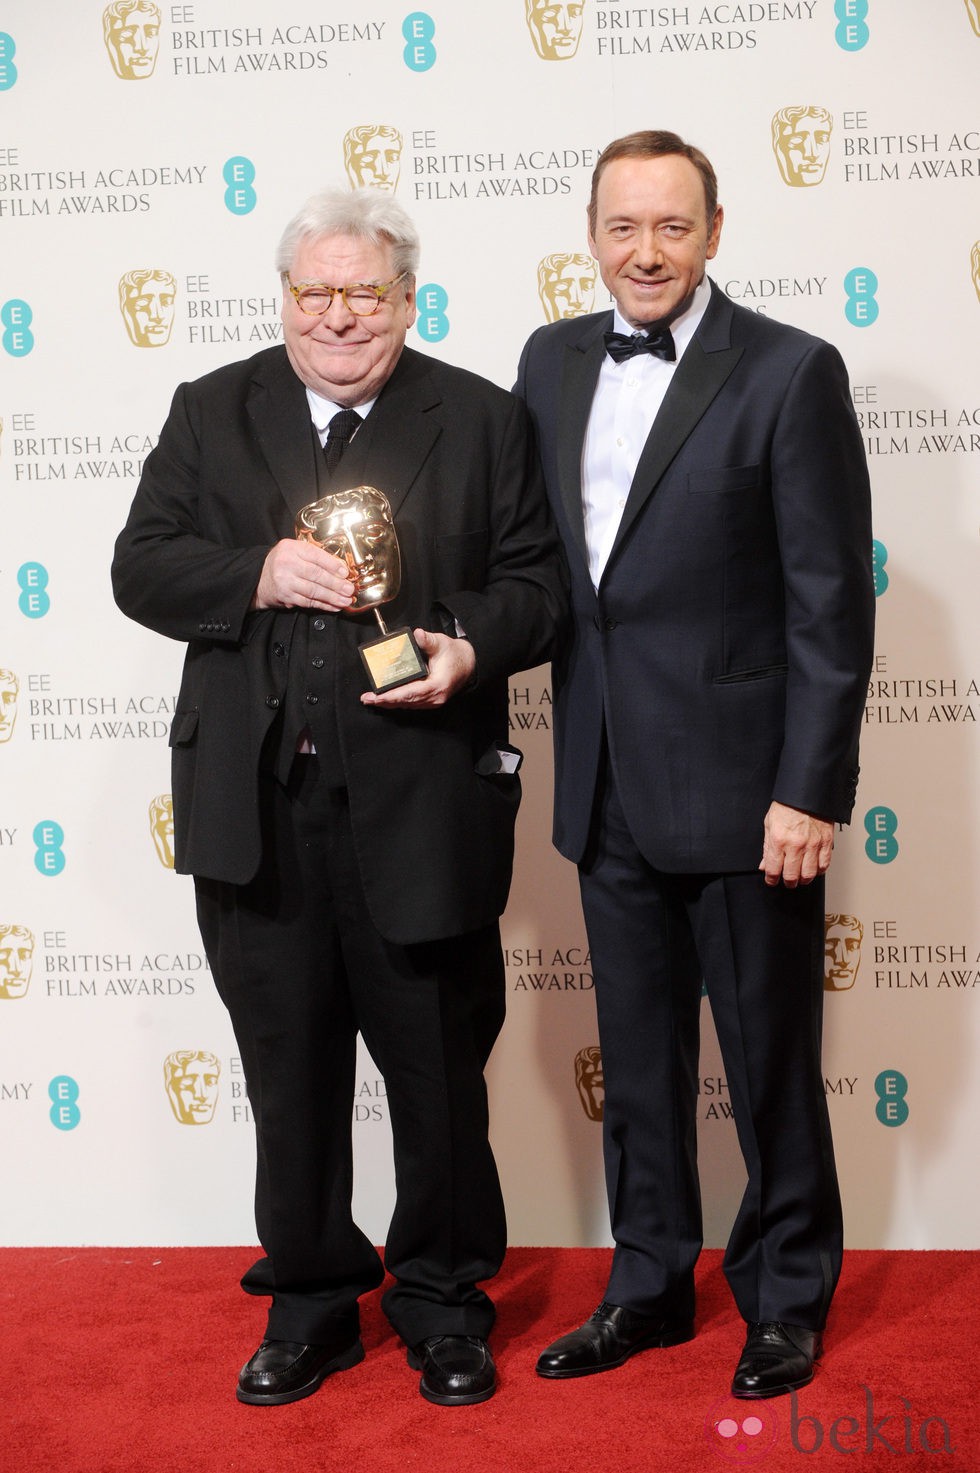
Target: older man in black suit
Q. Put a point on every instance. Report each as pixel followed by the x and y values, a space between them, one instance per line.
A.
pixel 709 481
pixel 352 849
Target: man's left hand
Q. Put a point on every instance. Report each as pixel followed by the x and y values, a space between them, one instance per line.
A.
pixel 452 664
pixel 797 846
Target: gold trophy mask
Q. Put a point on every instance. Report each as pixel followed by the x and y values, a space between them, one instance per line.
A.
pixel 357 525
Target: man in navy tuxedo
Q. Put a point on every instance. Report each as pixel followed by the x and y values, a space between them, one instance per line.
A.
pixel 709 481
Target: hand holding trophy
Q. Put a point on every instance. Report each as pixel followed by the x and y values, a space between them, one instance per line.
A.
pixel 357 525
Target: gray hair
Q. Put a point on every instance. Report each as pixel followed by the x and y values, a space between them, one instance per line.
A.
pixel 363 214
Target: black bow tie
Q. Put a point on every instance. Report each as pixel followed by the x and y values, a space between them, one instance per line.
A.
pixel 659 343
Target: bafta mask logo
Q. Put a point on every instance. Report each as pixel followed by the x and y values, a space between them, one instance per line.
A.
pixel 842 952
pixel 589 1081
pixel 162 828
pixel 131 29
pixel 566 285
pixel 191 1079
pixel 973 11
pixel 373 156
pixel 801 143
pixel 556 28
pixel 9 688
pixel 146 301
pixel 974 272
pixel 16 960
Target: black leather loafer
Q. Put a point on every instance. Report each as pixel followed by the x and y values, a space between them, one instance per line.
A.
pixel 607 1340
pixel 777 1358
pixel 457 1370
pixel 282 1370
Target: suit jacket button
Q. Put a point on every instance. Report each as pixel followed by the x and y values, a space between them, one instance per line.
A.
pixel 319 624
pixel 279 649
pixel 272 702
pixel 610 623
pixel 311 699
pixel 318 663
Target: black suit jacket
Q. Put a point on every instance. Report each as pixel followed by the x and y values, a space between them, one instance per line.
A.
pixel 728 648
pixel 236 460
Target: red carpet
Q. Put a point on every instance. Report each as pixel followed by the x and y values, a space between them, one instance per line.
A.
pixel 124 1361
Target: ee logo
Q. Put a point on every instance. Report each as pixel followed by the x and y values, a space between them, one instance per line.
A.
pixel 239 175
pixel 16 318
pixel 879 557
pixel 432 301
pixel 49 858
pixel 851 33
pixel 860 285
pixel 32 578
pixel 891 1087
pixel 8 72
pixel 881 846
pixel 63 1094
pixel 418 29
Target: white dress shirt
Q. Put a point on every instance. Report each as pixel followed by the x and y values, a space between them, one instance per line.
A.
pixel 627 400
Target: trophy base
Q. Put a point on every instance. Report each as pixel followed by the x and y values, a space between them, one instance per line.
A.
pixel 393 660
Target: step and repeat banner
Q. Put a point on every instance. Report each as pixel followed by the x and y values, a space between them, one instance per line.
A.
pixel 150 154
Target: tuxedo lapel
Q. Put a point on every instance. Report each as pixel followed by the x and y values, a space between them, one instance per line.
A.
pixel 580 367
pixel 280 413
pixel 700 375
pixel 391 447
pixel 388 451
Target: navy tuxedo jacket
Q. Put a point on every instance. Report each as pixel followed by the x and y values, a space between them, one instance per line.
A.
pixel 727 650
pixel 237 458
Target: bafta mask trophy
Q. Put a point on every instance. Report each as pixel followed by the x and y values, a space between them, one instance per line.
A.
pixel 357 525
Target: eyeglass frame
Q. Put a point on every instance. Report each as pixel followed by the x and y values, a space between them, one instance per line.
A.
pixel 381 290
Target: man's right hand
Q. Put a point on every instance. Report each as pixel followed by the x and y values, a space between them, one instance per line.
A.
pixel 300 575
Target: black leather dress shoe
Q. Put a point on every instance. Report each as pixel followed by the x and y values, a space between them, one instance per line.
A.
pixel 457 1370
pixel 607 1340
pixel 776 1359
pixel 282 1370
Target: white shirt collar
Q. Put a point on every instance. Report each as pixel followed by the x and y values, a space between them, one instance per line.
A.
pixel 323 410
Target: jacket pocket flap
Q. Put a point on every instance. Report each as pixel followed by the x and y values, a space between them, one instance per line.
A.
pixel 724 478
pixel 183 728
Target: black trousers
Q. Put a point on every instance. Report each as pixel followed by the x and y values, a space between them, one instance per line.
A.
pixel 653 936
pixel 301 969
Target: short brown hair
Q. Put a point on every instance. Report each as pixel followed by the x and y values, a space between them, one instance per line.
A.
pixel 654 143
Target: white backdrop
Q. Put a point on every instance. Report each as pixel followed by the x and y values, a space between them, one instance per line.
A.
pixel 173 142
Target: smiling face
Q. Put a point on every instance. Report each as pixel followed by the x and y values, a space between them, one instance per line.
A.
pixel 651 236
pixel 345 358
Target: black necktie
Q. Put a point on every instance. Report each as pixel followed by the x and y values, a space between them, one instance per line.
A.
pixel 340 432
pixel 659 343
